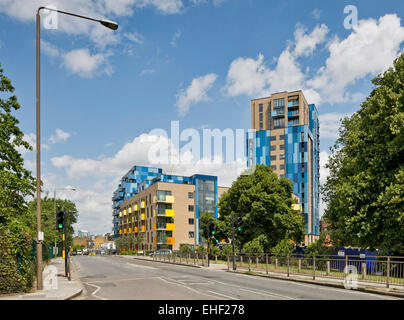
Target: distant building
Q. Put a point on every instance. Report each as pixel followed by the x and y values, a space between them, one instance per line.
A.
pixel 166 209
pixel 83 234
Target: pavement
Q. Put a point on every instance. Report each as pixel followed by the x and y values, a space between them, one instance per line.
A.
pixel 55 285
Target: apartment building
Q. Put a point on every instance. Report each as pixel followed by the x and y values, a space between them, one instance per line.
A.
pixel 166 210
pixel 285 136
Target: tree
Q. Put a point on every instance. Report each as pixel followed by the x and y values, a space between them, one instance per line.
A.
pixel 364 192
pixel 255 246
pixel 16 183
pixel 283 248
pixel 204 220
pixel 263 201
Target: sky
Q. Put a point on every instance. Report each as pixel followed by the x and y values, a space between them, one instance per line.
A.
pixel 199 62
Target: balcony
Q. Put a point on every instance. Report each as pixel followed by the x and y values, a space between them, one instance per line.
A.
pixel 136 229
pixel 142 217
pixel 293 122
pixel 143 205
pixel 294 113
pixel 293 103
pixel 163 199
pixel 136 207
pixel 278 112
pixel 169 240
pixel 164 213
pixel 165 226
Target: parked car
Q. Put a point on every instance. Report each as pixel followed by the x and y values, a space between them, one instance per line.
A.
pixel 79 252
pixel 161 252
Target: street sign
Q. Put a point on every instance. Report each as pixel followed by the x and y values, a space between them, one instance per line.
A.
pixel 341 253
pixel 40 236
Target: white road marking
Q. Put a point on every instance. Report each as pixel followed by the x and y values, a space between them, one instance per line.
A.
pixel 140 266
pixel 180 284
pixel 223 295
pixel 268 294
pixel 98 289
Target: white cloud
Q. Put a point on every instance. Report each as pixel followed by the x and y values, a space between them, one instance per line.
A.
pixel 329 124
pixel 306 43
pixel 147 71
pixel 368 50
pixel 31 139
pixel 134 37
pixel 84 64
pixel 59 136
pixel 324 172
pixel 196 92
pixel 176 36
pixel 316 13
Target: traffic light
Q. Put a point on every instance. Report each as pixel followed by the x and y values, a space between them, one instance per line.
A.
pixel 238 224
pixel 60 220
pixel 211 228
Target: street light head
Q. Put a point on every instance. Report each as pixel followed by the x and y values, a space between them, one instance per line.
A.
pixel 109 24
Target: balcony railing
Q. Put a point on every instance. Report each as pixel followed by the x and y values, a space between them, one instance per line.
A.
pixel 163 199
pixel 293 103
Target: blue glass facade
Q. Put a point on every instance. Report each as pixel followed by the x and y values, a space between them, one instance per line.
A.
pixel 139 178
pixel 301 163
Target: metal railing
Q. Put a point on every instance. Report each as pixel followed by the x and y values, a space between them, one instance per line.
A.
pixel 387 270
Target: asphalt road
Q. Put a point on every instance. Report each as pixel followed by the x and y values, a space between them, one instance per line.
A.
pixel 116 277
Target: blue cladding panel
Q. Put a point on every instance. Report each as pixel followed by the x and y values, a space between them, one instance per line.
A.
pixel 258 152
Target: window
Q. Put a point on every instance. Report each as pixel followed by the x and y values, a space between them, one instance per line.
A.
pixel 273 167
pixel 273 148
pixel 282 147
pixel 282 156
pixel 190 221
pixel 282 137
pixel 279 123
pixel 191 234
pixel 260 107
pixel 261 126
pixel 282 167
pixel 273 138
pixel 190 208
pixel 273 158
pixel 279 103
pixel 261 116
pixel 190 195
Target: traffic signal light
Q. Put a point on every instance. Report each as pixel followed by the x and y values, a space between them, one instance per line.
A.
pixel 60 220
pixel 211 228
pixel 238 224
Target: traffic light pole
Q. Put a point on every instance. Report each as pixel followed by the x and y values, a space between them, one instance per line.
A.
pixel 232 240
pixel 65 253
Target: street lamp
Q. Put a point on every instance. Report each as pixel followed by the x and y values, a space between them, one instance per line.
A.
pixel 107 23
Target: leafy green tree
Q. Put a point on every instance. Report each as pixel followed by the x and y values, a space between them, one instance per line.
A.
pixel 283 248
pixel 319 248
pixel 255 246
pixel 204 220
pixel 226 251
pixel 16 184
pixel 185 250
pixel 364 192
pixel 263 201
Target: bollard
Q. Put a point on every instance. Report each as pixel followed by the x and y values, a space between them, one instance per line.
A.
pixel 276 263
pixel 241 261
pixel 180 257
pixel 215 259
pixel 266 263
pixel 328 268
pixel 288 265
pixel 363 270
pixel 257 261
pixel 388 273
pixel 194 259
pixel 228 263
pixel 249 263
pixel 300 266
pixel 314 267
